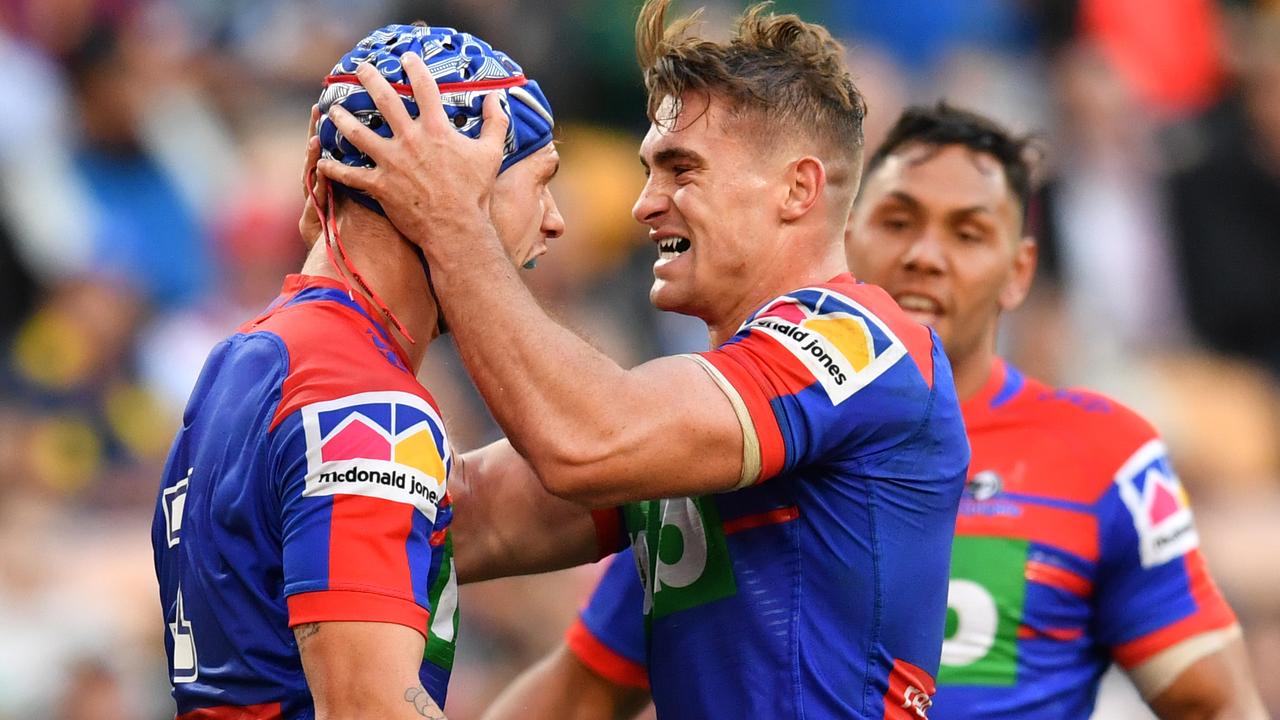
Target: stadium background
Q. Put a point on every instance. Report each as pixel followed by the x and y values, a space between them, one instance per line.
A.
pixel 149 156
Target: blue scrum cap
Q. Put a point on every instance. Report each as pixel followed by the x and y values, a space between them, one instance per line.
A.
pixel 465 68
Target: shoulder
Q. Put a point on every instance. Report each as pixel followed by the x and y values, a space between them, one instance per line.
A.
pixel 845 333
pixel 1104 442
pixel 1111 430
pixel 335 355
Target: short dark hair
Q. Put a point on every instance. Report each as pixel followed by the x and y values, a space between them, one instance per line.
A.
pixel 943 124
pixel 787 70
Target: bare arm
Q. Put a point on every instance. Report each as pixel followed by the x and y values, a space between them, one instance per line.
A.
pixel 1217 686
pixel 505 522
pixel 594 432
pixel 362 670
pixel 560 687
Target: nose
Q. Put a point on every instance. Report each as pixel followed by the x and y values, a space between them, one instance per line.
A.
pixel 925 253
pixel 651 204
pixel 552 221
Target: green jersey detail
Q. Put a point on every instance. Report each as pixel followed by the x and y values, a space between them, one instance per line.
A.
pixel 681 553
pixel 442 633
pixel 984 609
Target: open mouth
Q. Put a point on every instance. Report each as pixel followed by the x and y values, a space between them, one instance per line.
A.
pixel 672 247
pixel 923 309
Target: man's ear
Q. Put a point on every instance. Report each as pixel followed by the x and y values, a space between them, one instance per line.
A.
pixel 806 180
pixel 1015 290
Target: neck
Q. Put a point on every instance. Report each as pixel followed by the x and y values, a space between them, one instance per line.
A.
pixel 972 370
pixel 790 269
pixel 391 268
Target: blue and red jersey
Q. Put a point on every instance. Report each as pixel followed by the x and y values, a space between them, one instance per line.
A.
pixel 307 484
pixel 817 588
pixel 1074 548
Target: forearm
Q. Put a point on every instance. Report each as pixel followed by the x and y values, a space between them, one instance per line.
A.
pixel 359 670
pixel 505 523
pixel 558 398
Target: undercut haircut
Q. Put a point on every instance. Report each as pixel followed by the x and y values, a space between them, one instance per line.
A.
pixel 944 125
pixel 786 72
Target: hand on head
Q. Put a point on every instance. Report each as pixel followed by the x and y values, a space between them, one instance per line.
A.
pixel 427 176
pixel 314 185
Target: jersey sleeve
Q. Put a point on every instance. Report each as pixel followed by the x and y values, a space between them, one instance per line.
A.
pixel 364 505
pixel 813 369
pixel 1154 589
pixel 608 636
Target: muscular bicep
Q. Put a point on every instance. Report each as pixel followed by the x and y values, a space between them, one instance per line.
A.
pixel 364 669
pixel 673 432
pixel 506 523
pixel 1189 682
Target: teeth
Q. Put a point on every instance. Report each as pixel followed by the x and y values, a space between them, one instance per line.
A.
pixel 917 303
pixel 673 246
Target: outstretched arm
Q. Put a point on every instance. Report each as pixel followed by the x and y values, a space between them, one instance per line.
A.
pixel 361 670
pixel 505 523
pixel 594 432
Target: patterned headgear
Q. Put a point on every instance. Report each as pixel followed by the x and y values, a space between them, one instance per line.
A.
pixel 465 68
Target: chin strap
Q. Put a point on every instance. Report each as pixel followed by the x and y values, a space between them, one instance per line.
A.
pixel 332 238
pixel 441 326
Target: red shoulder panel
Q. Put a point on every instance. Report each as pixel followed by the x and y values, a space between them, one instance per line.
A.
pixel 333 352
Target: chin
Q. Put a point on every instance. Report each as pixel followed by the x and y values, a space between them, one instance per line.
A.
pixel 665 297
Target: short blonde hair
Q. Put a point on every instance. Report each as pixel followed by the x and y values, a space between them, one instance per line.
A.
pixel 788 73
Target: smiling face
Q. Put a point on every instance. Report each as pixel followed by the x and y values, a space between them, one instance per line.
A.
pixel 522 207
pixel 941 231
pixel 707 203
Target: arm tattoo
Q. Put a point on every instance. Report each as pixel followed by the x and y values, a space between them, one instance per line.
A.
pixel 423 703
pixel 302 633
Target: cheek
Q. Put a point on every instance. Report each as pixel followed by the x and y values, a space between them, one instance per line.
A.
pixel 871 257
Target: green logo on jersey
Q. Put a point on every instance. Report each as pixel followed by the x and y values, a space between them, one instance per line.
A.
pixel 984 609
pixel 442 633
pixel 681 553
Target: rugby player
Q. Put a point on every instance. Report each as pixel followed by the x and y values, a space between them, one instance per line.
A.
pixel 810 465
pixel 301 534
pixel 1075 545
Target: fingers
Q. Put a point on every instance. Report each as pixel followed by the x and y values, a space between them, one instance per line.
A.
pixel 315 121
pixel 384 97
pixel 358 178
pixel 425 91
pixel 493 131
pixel 366 141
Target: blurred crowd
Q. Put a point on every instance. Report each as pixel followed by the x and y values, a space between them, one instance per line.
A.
pixel 149 196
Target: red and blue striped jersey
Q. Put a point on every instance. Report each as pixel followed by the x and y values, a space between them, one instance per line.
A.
pixel 817 588
pixel 306 484
pixel 1075 547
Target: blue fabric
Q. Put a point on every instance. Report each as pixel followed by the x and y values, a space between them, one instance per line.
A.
pixel 453 58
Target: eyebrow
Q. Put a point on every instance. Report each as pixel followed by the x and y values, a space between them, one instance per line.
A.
pixel 906 199
pixel 667 156
pixel 554 170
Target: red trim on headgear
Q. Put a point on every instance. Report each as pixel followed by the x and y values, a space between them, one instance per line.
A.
pixel 465 86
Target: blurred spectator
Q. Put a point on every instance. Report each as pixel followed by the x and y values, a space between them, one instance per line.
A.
pixel 1105 240
pixel 1171 56
pixel 147 232
pixel 70 373
pixel 1226 205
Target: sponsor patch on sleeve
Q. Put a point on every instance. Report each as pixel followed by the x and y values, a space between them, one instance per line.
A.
pixel 1159 505
pixel 843 344
pixel 389 445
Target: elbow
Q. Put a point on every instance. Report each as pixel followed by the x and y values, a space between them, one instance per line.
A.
pixel 582 471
